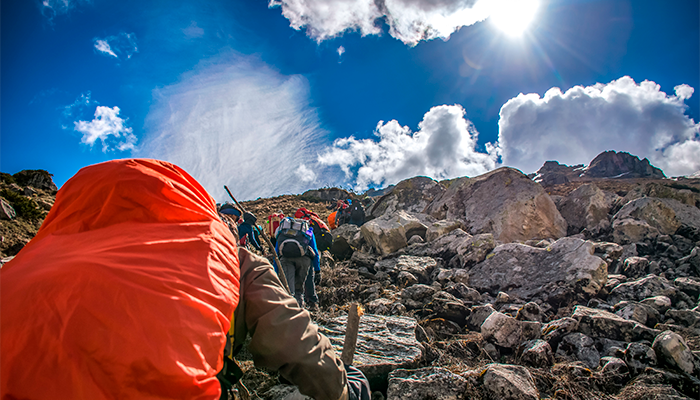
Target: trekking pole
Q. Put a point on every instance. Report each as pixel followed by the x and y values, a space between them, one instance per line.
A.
pixel 280 271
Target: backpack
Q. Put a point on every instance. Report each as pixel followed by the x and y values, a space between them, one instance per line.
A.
pixel 323 236
pixel 273 222
pixel 357 213
pixel 293 238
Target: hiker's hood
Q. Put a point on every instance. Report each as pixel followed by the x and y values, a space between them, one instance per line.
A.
pixel 131 190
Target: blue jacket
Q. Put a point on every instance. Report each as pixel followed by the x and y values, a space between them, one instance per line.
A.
pixel 246 229
pixel 315 260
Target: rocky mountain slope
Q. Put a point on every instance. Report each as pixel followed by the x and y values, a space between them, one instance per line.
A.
pixel 503 287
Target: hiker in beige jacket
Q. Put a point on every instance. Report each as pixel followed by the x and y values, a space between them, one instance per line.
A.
pixel 285 339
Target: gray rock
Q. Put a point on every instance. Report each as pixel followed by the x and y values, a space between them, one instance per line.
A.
pixel 530 312
pixel 686 318
pixel 602 324
pixel 639 356
pixel 693 259
pixel 439 228
pixel 611 348
pixel 555 274
pixel 506 331
pixel 391 232
pixel 610 252
pixel 446 306
pixel 384 306
pixel 411 195
pixel 587 208
pixel 426 383
pixel 660 303
pixel 690 286
pixel 509 382
pixel 671 350
pixel 415 239
pixel 649 286
pixel 503 202
pixel 554 331
pixel 614 369
pixel 420 267
pixel 418 292
pixel 285 392
pixel 405 279
pixel 7 212
pixel 536 353
pixel 639 312
pixel 463 292
pixel 383 343
pixel 578 347
pixel 635 267
pixel 346 239
pixel 478 315
pixel 629 230
pixel 663 215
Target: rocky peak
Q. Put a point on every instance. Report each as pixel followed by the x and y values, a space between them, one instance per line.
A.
pixel 611 164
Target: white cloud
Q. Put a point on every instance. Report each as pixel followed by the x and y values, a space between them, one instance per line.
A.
pixel 109 128
pixel 575 126
pixel 409 20
pixel 193 31
pixel 444 147
pixel 104 47
pixel 305 174
pixel 118 46
pixel 235 121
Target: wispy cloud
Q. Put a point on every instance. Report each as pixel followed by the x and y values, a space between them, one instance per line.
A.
pixel 443 147
pixel 109 128
pixel 53 8
pixel 118 46
pixel 193 31
pixel 409 20
pixel 236 121
pixel 573 127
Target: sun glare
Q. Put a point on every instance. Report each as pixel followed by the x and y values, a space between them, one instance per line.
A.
pixel 513 16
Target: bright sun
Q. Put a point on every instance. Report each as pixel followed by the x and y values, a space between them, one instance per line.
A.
pixel 513 16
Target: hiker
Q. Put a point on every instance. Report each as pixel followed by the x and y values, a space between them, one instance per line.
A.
pixel 230 215
pixel 128 291
pixel 297 251
pixel 249 233
pixel 324 241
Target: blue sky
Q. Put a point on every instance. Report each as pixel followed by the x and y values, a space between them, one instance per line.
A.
pixel 279 97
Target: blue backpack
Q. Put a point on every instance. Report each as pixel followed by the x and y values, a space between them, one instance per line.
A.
pixel 293 238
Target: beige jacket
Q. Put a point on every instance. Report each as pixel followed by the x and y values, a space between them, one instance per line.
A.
pixel 283 336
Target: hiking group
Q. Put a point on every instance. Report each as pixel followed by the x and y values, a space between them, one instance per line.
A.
pixel 138 287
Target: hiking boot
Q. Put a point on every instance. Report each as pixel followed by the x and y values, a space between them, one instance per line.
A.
pixel 313 307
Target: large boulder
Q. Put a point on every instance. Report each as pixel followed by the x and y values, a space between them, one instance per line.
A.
pixel 384 344
pixel 587 207
pixel 504 202
pixel 346 239
pixel 420 267
pixel 411 195
pixel 654 216
pixel 391 231
pixel 557 273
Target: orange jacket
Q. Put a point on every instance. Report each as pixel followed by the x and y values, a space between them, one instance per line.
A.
pixel 126 292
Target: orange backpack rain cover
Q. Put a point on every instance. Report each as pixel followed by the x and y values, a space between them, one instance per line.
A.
pixel 126 292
